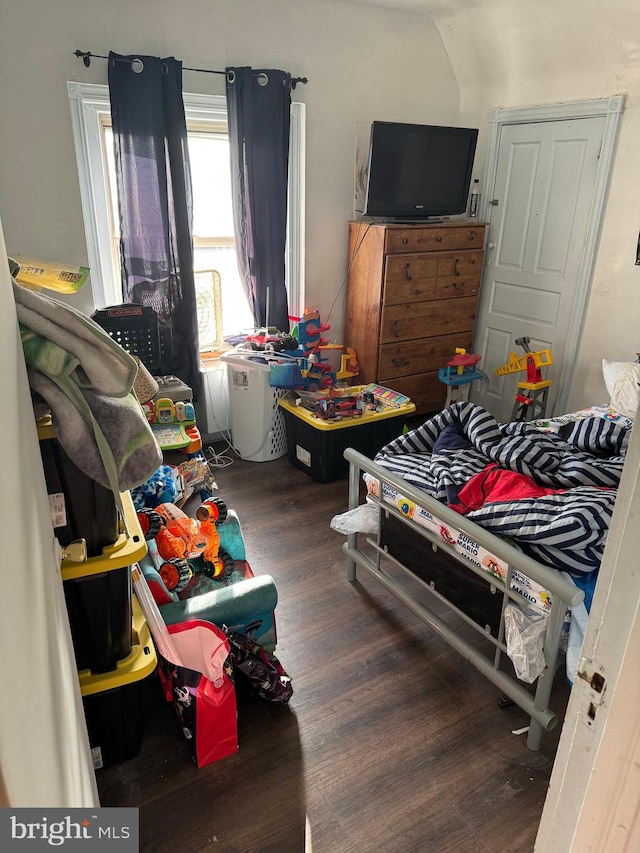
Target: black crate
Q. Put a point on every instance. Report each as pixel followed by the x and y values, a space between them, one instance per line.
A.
pixel 99 608
pixel 114 723
pixel 319 451
pixel 137 330
pixel 81 508
pixel 114 702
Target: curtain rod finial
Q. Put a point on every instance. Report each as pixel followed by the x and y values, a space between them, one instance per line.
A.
pixel 85 55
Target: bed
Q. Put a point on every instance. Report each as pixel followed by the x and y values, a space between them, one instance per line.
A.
pixel 502 524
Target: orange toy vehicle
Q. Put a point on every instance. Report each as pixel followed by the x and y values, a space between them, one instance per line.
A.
pixel 179 537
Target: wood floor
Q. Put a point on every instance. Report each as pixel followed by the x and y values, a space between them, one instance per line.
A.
pixel 391 742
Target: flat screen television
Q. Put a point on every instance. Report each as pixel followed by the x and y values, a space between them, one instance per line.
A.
pixel 417 171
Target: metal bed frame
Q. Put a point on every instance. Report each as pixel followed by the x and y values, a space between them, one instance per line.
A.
pixel 563 593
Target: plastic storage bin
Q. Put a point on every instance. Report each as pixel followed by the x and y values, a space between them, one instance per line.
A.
pixel 80 507
pixel 98 597
pixel 316 446
pixel 258 428
pixel 137 329
pixel 113 701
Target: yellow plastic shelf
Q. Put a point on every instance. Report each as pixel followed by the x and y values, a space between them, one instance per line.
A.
pixel 139 663
pixel 126 550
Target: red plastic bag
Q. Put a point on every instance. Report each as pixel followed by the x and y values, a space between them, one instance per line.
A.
pixel 202 690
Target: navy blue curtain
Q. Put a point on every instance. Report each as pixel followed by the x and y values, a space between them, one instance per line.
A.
pixel 155 203
pixel 258 106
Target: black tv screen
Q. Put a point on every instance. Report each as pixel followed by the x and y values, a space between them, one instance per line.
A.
pixel 417 171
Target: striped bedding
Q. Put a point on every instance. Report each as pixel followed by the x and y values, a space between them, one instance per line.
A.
pixel 566 529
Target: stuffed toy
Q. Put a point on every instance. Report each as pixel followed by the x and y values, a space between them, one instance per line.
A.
pixel 160 488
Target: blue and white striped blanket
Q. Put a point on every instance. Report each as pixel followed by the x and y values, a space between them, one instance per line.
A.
pixel 567 530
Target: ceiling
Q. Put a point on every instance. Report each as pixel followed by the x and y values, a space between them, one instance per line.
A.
pixel 418 7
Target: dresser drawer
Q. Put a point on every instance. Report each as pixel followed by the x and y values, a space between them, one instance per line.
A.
pixel 443 239
pixel 398 240
pixel 417 239
pixel 409 278
pixel 413 321
pixel 425 390
pixel 412 357
pixel 460 264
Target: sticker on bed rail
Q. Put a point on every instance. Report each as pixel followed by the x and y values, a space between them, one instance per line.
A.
pixel 552 425
pixel 536 595
pixel 532 592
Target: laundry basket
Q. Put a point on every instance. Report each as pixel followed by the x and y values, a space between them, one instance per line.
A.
pixel 258 429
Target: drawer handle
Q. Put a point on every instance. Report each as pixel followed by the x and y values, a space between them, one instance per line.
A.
pixel 399 362
pixel 406 271
pixel 472 236
pixel 439 239
pixel 395 329
pixel 456 271
pixel 405 240
pixel 458 285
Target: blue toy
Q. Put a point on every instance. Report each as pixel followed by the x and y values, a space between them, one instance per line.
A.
pixel 158 489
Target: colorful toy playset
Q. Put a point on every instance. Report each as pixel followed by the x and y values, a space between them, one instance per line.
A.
pixel 531 394
pixel 318 374
pixel 298 360
pixel 458 375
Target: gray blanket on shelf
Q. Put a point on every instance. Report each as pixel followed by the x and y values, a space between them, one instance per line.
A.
pixel 86 379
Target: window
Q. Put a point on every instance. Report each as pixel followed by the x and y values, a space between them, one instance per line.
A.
pixel 222 306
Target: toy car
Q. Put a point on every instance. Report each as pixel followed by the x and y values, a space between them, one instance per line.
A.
pixel 339 407
pixel 177 536
pixel 271 340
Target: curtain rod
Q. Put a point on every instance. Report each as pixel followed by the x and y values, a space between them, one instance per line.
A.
pixel 86 56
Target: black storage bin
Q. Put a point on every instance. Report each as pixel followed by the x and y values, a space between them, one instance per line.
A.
pixel 81 508
pixel 114 723
pixel 99 608
pixel 317 446
pixel 114 702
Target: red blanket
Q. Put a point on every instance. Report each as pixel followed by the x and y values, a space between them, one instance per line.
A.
pixel 494 484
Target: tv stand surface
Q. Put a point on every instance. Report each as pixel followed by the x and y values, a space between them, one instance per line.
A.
pixel 445 221
pixel 426 221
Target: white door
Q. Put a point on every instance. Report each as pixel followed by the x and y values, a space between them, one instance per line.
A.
pixel 540 210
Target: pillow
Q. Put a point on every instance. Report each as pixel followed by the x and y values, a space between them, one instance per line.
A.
pixel 621 379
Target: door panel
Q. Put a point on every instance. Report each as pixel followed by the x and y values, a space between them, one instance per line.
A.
pixel 545 180
pixel 524 303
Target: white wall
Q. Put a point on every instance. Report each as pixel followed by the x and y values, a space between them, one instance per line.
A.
pixel 514 54
pixel 362 64
pixel 44 748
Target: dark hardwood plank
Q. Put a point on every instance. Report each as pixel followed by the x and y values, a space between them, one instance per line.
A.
pixel 391 741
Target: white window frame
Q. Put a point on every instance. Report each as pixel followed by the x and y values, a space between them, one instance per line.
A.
pixel 89 103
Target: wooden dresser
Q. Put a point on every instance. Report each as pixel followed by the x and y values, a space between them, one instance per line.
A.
pixel 412 294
